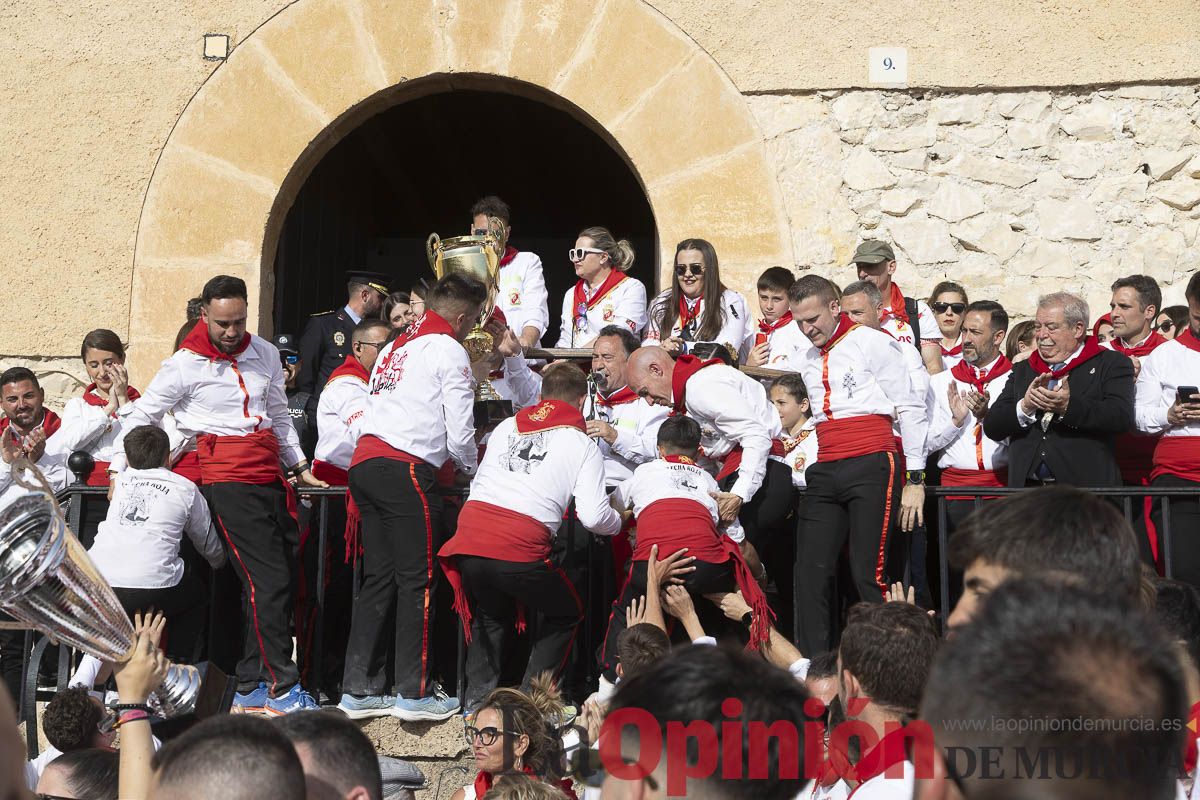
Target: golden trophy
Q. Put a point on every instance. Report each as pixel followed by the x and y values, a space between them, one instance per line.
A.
pixel 479 257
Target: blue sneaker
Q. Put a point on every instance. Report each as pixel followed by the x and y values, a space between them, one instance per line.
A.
pixel 370 706
pixel 296 699
pixel 435 708
pixel 250 702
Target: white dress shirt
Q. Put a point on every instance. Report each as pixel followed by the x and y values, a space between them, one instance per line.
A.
pixel 784 346
pixel 1168 367
pixel 339 413
pixel 964 446
pixel 522 293
pixel 624 305
pixel 73 434
pixel 672 480
pixel 801 452
pixel 735 320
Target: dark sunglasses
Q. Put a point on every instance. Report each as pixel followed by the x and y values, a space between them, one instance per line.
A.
pixel 689 269
pixel 376 345
pixel 1165 325
pixel 290 359
pixel 486 736
pixel 941 308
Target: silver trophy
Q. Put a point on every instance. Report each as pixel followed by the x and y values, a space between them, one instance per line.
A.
pixel 48 582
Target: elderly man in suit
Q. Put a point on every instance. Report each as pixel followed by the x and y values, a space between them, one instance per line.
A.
pixel 1065 405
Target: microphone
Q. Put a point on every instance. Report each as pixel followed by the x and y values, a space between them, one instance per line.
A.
pixel 592 379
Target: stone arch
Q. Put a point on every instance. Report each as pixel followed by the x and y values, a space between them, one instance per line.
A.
pixel 249 137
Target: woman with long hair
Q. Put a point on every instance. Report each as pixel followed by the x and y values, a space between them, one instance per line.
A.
pixel 397 310
pixel 949 305
pixel 512 732
pixel 604 293
pixel 697 308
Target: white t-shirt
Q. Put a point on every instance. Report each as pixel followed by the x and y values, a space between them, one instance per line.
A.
pixel 137 545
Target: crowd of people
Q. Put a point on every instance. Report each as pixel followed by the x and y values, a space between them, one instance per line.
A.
pixel 752 475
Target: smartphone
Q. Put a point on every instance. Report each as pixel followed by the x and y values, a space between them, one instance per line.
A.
pixel 1187 394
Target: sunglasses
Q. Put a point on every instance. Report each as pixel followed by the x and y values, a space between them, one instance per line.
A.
pixel 486 736
pixel 580 253
pixel 942 308
pixel 689 269
pixel 1165 325
pixel 290 359
pixel 376 345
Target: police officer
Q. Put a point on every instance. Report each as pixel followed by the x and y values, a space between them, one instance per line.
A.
pixel 327 336
pixel 297 400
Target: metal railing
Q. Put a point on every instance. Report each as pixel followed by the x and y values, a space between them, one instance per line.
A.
pixel 939 496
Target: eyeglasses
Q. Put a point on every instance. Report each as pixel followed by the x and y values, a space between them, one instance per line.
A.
pixel 580 253
pixel 942 308
pixel 689 269
pixel 376 345
pixel 486 736
pixel 1165 325
pixel 290 360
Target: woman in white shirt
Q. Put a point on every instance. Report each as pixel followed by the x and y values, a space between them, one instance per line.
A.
pixel 686 314
pixel 604 293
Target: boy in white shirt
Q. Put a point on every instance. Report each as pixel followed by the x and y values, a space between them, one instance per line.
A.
pixel 137 545
pixel 776 341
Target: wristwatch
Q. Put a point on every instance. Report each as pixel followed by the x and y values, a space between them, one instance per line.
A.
pixel 915 477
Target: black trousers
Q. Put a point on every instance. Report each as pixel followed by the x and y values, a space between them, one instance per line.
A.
pixel 763 517
pixel 1185 529
pixel 851 499
pixel 709 578
pixel 182 604
pixel 12 649
pixel 260 539
pixel 401 527
pixel 495 588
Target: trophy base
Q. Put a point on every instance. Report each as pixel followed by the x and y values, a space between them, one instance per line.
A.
pixel 490 413
pixel 179 691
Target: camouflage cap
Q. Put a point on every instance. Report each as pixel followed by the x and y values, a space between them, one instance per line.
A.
pixel 873 251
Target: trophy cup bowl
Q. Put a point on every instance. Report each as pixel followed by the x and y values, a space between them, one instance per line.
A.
pixel 48 582
pixel 479 257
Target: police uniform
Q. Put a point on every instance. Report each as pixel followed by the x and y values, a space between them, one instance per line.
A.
pixel 326 340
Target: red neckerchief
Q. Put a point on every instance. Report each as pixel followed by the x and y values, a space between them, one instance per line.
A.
pixel 483 783
pixel 1143 348
pixel 510 253
pixel 890 751
pixel 582 304
pixel 429 324
pixel 619 397
pixel 197 342
pixel 686 315
pixel 966 373
pixel 771 327
pixel 895 306
pixel 954 351
pixel 547 415
pixel 92 399
pixel 844 326
pixel 51 422
pixel 1189 340
pixel 680 460
pixel 1091 349
pixel 350 368
pixel 686 367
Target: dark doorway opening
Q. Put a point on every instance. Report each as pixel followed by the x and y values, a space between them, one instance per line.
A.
pixel 417 167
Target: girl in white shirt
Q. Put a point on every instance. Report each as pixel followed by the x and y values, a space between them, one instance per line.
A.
pixel 698 307
pixel 604 293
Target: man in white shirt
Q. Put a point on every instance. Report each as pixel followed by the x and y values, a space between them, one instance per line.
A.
pixel 1168 405
pixel 137 545
pixel 884 659
pixel 858 387
pixel 962 396
pixel 419 414
pixel 521 293
pixel 498 561
pixel 224 387
pixel 908 320
pixel 739 430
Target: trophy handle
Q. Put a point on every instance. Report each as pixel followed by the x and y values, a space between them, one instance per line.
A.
pixel 433 251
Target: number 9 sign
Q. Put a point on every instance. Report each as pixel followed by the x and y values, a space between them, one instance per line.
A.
pixel 887 66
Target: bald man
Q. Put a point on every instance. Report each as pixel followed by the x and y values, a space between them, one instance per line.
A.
pixel 739 430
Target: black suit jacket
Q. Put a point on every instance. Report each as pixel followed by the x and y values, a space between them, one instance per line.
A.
pixel 323 347
pixel 1079 446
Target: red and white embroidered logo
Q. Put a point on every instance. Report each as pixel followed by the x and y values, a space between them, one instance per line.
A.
pixel 514 298
pixel 390 373
pixel 608 313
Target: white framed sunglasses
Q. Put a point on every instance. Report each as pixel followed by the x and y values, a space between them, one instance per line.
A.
pixel 580 253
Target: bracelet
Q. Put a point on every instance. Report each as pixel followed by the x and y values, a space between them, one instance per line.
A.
pixel 131 715
pixel 748 618
pixel 119 707
pixel 299 468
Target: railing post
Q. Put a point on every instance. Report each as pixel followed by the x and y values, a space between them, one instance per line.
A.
pixel 943 519
pixel 317 649
pixel 1166 536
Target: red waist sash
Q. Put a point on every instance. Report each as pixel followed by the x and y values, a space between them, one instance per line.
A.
pixel 1179 456
pixel 490 531
pixel 371 446
pixel 1135 457
pixel 253 458
pixel 854 436
pixel 99 474
pixel 955 476
pixel 733 462
pixel 188 466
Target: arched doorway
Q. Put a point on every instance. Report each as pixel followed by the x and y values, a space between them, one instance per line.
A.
pixel 417 167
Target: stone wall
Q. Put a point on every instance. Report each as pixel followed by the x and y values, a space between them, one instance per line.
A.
pixel 1011 193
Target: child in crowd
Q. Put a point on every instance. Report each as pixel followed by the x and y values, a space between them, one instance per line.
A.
pixel 776 340
pixel 790 399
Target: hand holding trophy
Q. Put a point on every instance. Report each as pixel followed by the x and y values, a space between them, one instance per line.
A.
pixel 48 582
